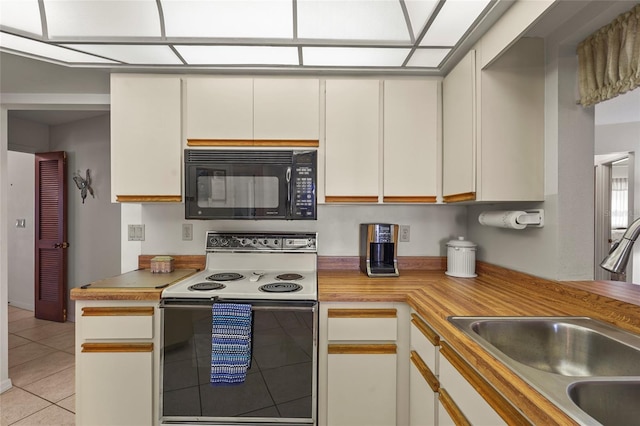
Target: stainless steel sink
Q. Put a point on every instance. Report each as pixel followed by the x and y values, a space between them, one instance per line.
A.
pixel 570 347
pixel 609 402
pixel 570 360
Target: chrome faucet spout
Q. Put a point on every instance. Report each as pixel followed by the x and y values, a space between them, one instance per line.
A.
pixel 618 257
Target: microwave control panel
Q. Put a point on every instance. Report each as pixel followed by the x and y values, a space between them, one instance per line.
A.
pixel 303 204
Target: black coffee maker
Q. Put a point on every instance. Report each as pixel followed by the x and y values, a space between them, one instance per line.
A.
pixel 378 248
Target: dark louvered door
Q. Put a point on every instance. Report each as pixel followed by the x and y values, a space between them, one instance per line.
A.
pixel 51 237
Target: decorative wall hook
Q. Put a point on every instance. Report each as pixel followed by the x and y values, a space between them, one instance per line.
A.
pixel 83 185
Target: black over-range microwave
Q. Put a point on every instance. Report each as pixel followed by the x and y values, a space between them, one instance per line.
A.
pixel 250 184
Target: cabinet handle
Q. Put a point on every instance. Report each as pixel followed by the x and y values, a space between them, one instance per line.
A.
pixel 429 377
pixel 308 143
pixel 409 199
pixel 112 311
pixel 116 347
pixel 499 403
pixel 362 313
pixel 431 335
pixel 384 349
pixel 454 198
pixel 454 412
pixel 148 198
pixel 351 199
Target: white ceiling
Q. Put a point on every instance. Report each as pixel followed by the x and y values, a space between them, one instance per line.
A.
pixel 397 35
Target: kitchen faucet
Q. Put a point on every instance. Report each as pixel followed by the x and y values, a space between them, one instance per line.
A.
pixel 618 257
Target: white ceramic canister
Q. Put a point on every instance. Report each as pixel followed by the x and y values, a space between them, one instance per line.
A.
pixel 461 258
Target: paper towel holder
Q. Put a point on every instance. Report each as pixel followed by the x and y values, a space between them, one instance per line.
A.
pixel 527 218
pixel 532 218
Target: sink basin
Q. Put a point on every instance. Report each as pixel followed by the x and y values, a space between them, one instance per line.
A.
pixel 588 368
pixel 609 402
pixel 573 347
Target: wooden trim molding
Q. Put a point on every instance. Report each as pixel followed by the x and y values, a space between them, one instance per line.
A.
pixel 351 199
pixel 431 335
pixel 456 198
pixel 424 370
pixel 499 403
pixel 428 263
pixel 368 349
pixel 449 404
pixel 180 261
pixel 409 199
pixel 108 311
pixel 149 198
pixel 281 143
pixel 362 313
pixel 116 347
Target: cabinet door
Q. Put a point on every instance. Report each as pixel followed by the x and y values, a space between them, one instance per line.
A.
pixel 422 400
pixel 464 396
pixel 410 140
pixel 145 138
pixel 361 386
pixel 219 108
pixel 459 131
pixel 352 140
pixel 286 109
pixel 115 384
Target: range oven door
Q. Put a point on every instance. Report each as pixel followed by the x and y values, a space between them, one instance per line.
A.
pixel 281 383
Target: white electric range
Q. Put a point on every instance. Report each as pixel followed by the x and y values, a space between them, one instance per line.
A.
pixel 240 265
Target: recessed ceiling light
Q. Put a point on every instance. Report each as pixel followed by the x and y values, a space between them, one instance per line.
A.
pixel 22 15
pixel 354 56
pixel 430 58
pixel 238 55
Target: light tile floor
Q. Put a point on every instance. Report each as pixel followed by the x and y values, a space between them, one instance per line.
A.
pixel 42 370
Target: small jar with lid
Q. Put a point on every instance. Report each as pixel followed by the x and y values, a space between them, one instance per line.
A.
pixel 461 258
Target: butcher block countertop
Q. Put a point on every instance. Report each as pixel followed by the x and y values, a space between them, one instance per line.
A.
pixel 495 292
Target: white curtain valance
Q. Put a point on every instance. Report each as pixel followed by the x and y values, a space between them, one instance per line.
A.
pixel 609 59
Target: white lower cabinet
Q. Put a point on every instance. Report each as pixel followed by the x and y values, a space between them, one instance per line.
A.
pixel 362 385
pixel 117 361
pixel 363 364
pixel 423 381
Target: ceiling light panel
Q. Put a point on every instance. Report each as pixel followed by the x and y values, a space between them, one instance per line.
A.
pixel 229 18
pixel 453 21
pixel 238 55
pixel 22 15
pixel 419 13
pixel 428 58
pixel 132 54
pixel 381 20
pixel 354 56
pixel 102 18
pixel 32 47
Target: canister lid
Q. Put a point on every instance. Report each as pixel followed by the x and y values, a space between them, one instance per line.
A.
pixel 461 242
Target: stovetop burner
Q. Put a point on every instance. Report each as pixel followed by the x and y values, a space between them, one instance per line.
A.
pixel 225 276
pixel 280 287
pixel 206 286
pixel 289 277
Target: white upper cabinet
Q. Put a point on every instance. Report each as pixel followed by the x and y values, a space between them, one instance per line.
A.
pixel 219 108
pixel 352 136
pixel 145 138
pixel 493 126
pixel 459 131
pixel 243 110
pixel 411 129
pixel 286 109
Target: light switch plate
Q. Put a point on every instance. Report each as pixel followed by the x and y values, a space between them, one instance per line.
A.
pixel 136 232
pixel 187 232
pixel 405 233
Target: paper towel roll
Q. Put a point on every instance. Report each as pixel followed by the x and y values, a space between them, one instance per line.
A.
pixel 502 219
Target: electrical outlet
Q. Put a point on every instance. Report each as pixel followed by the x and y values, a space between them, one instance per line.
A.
pixel 136 232
pixel 187 232
pixel 405 233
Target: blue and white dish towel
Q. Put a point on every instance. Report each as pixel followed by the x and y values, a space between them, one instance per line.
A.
pixel 230 342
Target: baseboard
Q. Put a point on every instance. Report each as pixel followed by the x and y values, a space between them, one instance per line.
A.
pixel 5 385
pixel 22 305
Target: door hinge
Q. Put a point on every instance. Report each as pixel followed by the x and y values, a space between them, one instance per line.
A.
pixel 64 315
